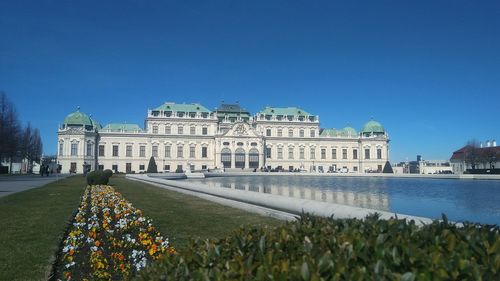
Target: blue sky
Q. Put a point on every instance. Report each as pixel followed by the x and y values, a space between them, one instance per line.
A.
pixel 429 71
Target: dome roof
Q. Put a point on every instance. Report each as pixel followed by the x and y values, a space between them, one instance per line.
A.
pixel 373 127
pixel 349 131
pixel 78 118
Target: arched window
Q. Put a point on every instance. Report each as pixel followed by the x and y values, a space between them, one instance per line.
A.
pixel 226 157
pixel 239 159
pixel 253 158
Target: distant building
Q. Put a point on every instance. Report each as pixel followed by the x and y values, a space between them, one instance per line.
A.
pixel 189 136
pixel 421 166
pixel 476 158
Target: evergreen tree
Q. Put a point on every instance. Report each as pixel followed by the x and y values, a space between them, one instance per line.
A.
pixel 388 168
pixel 152 166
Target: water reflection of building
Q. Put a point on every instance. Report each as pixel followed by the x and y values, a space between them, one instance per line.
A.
pixel 359 199
pixel 178 135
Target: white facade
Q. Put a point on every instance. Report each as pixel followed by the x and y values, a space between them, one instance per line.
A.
pixel 181 136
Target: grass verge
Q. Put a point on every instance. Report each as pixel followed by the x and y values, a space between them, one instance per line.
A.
pixel 182 217
pixel 32 224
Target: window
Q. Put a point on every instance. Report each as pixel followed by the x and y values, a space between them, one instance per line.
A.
pixel 204 152
pixel 344 153
pixel 180 130
pixel 313 153
pixel 313 133
pixel 290 153
pixel 280 132
pixel 379 153
pixel 167 151
pixel 204 131
pixel 367 153
pixel 115 168
pixel 115 150
pixel 166 168
pixel 168 130
pixel 128 151
pixel 301 133
pixel 74 149
pixel 61 146
pixel 101 150
pixel 203 167
pixel 354 154
pixel 142 151
pixel 89 149
pixel 268 152
pixel 355 168
pixel 141 167
pixel 268 132
pixel 154 151
pixel 290 133
pixel 180 150
pixel 192 130
pixel 301 153
pixel 155 129
pixel 192 152
pixel 280 152
pixel 323 153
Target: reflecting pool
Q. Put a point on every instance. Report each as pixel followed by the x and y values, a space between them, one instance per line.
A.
pixel 460 200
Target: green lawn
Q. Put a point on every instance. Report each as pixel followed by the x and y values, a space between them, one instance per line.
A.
pixel 32 224
pixel 181 217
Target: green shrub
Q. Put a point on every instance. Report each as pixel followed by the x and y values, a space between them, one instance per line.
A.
pixel 387 168
pixel 108 173
pixel 99 177
pixel 314 248
pixel 152 166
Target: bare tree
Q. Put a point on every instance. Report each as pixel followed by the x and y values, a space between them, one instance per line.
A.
pixel 490 156
pixel 9 130
pixel 15 141
pixel 472 153
pixel 31 145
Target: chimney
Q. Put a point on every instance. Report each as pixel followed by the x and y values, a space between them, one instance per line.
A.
pixel 481 145
pixel 488 143
pixel 494 143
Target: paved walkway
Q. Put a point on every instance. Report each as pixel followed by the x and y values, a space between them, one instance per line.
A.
pixel 13 184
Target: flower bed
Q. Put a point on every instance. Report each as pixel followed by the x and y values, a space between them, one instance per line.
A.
pixel 109 239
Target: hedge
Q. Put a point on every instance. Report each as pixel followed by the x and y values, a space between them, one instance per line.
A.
pixel 314 248
pixel 99 177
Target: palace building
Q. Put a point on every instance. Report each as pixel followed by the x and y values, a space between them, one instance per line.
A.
pixel 189 136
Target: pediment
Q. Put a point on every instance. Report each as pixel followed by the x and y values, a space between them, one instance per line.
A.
pixel 241 129
pixel 72 131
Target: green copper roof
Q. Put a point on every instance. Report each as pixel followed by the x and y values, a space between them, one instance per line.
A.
pixel 349 131
pixel 182 107
pixel 373 127
pixel 329 133
pixel 285 111
pixel 95 123
pixel 78 118
pixel 122 127
pixel 345 132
